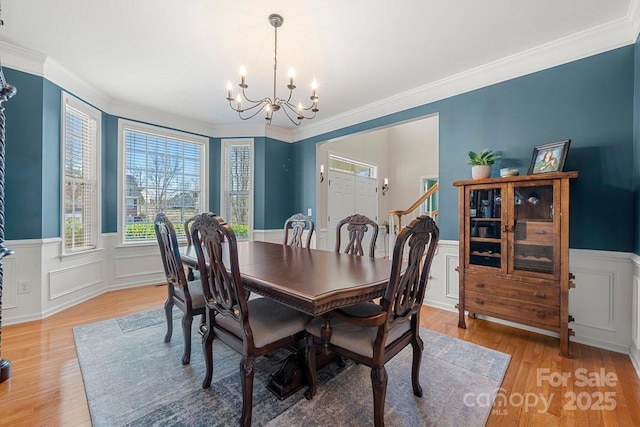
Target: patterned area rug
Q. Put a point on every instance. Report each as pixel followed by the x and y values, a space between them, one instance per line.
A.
pixel 132 377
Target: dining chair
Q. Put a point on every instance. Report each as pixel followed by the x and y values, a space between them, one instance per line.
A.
pixel 184 294
pixel 357 226
pixel 253 327
pixel 375 333
pixel 297 224
pixel 187 227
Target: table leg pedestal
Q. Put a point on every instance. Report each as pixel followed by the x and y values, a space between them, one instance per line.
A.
pixel 5 370
pixel 292 375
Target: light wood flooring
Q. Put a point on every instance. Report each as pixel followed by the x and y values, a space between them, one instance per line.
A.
pixel 46 388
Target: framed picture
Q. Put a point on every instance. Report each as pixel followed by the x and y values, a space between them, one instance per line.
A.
pixel 549 157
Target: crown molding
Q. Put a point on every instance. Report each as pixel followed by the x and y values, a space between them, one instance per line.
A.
pixel 160 118
pixel 633 16
pixel 69 82
pixel 577 46
pixel 21 59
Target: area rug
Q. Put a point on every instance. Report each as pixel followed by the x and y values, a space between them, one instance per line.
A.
pixel 133 378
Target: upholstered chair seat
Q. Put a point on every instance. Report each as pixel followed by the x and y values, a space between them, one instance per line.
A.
pixel 354 338
pixel 269 321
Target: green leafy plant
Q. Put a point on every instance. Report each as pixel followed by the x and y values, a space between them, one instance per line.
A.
pixel 485 157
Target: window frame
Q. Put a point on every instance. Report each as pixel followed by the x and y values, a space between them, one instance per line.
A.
pixel 202 141
pixel 225 143
pixel 67 99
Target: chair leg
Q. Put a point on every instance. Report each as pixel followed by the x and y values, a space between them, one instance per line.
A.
pixel 207 350
pixel 418 347
pixel 312 374
pixel 247 369
pixel 168 311
pixel 379 382
pixel 187 321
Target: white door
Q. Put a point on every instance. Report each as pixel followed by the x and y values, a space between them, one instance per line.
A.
pixel 340 202
pixel 367 204
pixel 349 194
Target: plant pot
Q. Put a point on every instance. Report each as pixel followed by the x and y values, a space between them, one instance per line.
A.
pixel 480 171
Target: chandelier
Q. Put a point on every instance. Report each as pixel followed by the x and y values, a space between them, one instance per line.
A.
pixel 248 108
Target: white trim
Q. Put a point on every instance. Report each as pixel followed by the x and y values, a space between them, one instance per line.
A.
pixel 227 142
pixel 96 199
pixel 169 133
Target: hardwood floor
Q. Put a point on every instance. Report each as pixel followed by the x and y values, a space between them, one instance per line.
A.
pixel 46 388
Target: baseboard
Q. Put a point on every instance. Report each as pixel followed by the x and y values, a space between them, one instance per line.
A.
pixel 634 355
pixel 581 340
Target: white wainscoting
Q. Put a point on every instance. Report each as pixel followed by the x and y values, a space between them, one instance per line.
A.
pixel 635 314
pixel 604 303
pixel 57 282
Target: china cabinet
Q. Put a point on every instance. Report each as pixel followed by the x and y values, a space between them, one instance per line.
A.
pixel 514 251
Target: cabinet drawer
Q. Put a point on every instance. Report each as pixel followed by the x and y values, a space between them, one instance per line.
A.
pixel 529 292
pixel 535 232
pixel 511 309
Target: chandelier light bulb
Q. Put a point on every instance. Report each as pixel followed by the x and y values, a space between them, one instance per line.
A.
pixel 229 90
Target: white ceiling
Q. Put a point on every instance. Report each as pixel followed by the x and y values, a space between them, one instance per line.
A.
pixel 175 57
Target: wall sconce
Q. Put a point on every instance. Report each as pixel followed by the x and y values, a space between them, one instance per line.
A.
pixel 321 173
pixel 385 186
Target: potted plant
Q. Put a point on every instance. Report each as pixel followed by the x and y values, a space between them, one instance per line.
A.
pixel 481 163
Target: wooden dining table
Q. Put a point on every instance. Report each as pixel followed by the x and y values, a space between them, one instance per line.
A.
pixel 310 280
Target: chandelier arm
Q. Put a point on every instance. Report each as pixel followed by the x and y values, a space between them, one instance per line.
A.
pixel 298 110
pixel 299 119
pixel 299 113
pixel 253 101
pixel 252 115
pixel 251 107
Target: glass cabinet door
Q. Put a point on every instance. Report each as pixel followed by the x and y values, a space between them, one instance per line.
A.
pixel 485 227
pixel 534 232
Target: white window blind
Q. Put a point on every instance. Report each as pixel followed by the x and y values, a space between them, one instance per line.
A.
pixel 80 190
pixel 238 183
pixel 162 173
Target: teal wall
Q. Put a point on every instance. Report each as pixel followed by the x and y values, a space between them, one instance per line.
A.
pixel 588 101
pixel 23 156
pixel 636 148
pixel 273 187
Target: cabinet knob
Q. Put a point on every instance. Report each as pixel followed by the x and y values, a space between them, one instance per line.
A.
pixel 479 301
pixel 539 294
pixel 541 314
pixel 479 285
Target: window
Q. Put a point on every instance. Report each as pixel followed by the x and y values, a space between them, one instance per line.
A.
pixel 343 164
pixel 430 206
pixel 81 127
pixel 163 171
pixel 237 186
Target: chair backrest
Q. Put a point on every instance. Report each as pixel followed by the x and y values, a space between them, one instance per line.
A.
pixel 217 251
pixel 187 228
pixel 296 225
pixel 168 243
pixel 357 226
pixel 405 292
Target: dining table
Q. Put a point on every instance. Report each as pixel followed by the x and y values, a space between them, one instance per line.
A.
pixel 312 281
